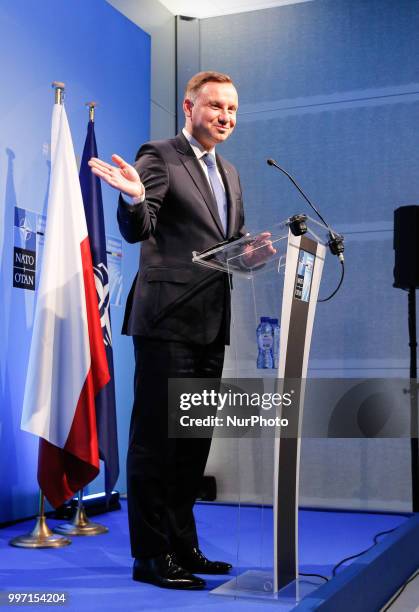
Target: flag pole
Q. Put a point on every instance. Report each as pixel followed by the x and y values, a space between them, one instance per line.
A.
pixel 105 402
pixel 81 525
pixel 41 536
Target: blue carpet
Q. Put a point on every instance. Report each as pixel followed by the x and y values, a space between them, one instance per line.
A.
pixel 95 571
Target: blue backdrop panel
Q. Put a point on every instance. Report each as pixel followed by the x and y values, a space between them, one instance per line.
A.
pixel 330 90
pixel 102 56
pixel 316 48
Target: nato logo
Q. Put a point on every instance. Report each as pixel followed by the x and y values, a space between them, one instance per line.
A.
pixel 24 253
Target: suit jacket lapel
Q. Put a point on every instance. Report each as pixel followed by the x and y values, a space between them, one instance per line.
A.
pixel 197 174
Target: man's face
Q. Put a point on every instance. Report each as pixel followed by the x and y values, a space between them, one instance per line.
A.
pixel 211 117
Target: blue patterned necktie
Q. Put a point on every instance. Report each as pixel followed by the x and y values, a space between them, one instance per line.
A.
pixel 217 188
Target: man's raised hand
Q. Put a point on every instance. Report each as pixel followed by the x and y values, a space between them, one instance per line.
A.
pixel 122 176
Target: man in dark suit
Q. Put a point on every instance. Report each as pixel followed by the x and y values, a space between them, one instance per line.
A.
pixel 187 199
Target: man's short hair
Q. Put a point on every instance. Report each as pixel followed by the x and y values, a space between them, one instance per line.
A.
pixel 198 80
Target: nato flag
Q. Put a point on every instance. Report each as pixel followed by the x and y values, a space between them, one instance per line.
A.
pixel 105 400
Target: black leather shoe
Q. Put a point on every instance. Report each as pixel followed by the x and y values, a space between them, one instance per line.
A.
pixel 195 561
pixel 163 571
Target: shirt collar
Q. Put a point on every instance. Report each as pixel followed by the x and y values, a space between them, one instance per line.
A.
pixel 197 148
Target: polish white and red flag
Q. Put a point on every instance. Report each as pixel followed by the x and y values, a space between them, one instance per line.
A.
pixel 67 361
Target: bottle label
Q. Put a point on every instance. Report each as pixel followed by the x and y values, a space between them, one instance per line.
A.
pixel 265 341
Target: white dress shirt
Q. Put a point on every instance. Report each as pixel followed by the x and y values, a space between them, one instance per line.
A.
pixel 199 151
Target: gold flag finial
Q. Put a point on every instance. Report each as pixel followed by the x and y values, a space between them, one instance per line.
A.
pixel 92 106
pixel 59 91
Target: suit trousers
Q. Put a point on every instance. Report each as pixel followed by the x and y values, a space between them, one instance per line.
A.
pixel 164 475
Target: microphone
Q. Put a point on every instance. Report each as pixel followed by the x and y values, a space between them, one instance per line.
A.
pixel 336 240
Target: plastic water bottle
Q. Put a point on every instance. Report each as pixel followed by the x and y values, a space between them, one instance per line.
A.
pixel 264 337
pixel 275 346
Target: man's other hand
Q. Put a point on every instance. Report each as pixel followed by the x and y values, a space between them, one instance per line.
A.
pixel 122 176
pixel 259 251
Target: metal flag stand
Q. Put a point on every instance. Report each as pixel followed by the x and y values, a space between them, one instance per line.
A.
pixel 81 525
pixel 41 536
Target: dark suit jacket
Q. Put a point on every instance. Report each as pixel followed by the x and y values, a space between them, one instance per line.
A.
pixel 172 298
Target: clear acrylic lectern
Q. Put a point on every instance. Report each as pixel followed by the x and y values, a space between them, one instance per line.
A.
pixel 285 286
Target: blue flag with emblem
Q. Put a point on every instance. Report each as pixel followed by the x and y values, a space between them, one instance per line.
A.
pixel 105 400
